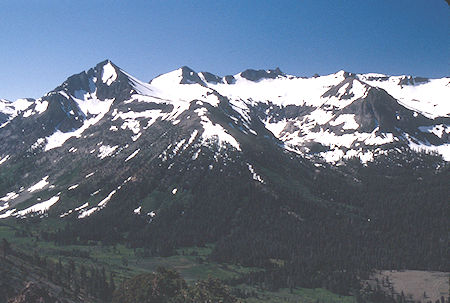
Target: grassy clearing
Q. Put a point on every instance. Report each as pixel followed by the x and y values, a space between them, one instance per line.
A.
pixel 192 263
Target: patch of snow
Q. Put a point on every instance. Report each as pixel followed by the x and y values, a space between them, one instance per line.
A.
pixel 178 146
pixel 95 192
pixel 41 106
pixel 8 213
pixel 4 206
pixel 366 157
pixel 9 196
pixel 174 191
pixel 255 176
pixel 132 155
pixel 134 138
pixel 39 142
pixel 66 213
pixel 275 127
pixel 21 104
pixel 58 138
pixel 4 159
pixel 195 156
pixel 28 113
pixel 64 94
pixel 321 116
pixel 443 150
pixel 39 207
pixel 132 125
pixel 382 138
pixel 104 201
pixel 82 206
pixel 89 175
pixel 73 187
pixel 7 108
pixel 137 211
pixel 215 131
pixel 332 156
pixel 328 138
pixel 40 185
pixel 191 139
pixel 347 119
pixel 139 86
pixel 437 130
pixel 87 213
pixel 106 151
pixel 109 74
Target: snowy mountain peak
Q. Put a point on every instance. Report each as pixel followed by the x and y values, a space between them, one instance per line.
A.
pixel 97 80
pixel 189 76
pixel 186 75
pixel 345 113
pixel 183 75
pixel 113 124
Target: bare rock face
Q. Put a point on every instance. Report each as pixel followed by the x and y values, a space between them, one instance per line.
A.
pixel 33 293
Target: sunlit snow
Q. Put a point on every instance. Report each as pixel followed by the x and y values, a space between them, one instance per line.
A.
pixel 215 131
pixel 137 211
pixel 106 151
pixel 348 121
pixel 40 185
pixel 132 155
pixel 39 207
pixel 9 196
pixel 4 159
pixel 58 138
pixel 109 74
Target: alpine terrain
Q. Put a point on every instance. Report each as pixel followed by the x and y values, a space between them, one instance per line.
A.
pixel 312 182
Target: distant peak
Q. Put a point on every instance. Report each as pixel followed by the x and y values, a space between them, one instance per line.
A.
pixel 345 74
pixel 400 80
pixel 104 62
pixel 256 75
pixel 187 69
pixel 410 80
pixel 211 78
pixel 97 80
pixel 189 76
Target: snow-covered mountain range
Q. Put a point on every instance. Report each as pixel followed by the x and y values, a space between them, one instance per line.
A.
pixel 106 123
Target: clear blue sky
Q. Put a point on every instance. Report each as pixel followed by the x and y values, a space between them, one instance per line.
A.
pixel 43 42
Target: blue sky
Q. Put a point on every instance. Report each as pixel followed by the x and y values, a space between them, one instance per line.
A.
pixel 43 42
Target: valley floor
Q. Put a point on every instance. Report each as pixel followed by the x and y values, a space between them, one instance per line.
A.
pixel 192 263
